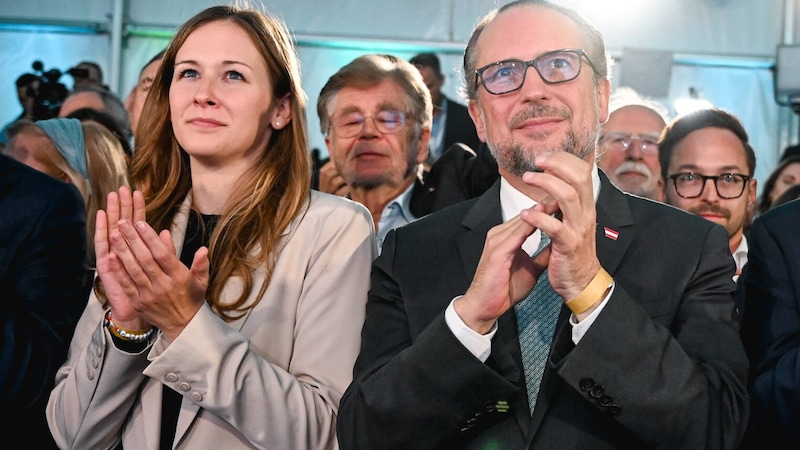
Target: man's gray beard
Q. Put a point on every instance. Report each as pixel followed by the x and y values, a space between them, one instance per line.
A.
pixel 368 183
pixel 373 182
pixel 517 159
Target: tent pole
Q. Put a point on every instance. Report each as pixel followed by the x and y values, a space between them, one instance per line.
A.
pixel 116 46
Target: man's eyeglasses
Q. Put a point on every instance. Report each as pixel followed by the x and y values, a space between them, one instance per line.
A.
pixel 558 66
pixel 620 141
pixel 349 125
pixel 691 185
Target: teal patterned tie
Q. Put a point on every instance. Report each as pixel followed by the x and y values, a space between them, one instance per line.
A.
pixel 537 315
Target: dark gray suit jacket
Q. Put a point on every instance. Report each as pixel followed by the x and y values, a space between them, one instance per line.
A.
pixel 460 174
pixel 662 366
pixel 459 127
pixel 771 327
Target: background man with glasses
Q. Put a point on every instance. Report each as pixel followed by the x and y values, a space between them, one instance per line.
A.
pixel 628 151
pixel 376 115
pixel 640 349
pixel 707 165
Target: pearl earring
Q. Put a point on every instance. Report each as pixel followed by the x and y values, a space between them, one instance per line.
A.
pixel 278 123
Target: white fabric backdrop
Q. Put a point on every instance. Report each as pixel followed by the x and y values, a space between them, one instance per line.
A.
pixel 332 32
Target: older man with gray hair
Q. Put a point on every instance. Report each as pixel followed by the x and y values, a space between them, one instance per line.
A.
pixel 628 151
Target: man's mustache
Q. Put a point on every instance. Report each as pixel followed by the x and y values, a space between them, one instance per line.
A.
pixel 714 209
pixel 634 166
pixel 534 111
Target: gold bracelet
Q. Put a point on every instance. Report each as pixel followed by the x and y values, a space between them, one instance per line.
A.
pixel 596 290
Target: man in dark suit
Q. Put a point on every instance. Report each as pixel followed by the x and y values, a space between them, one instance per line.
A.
pixel 44 284
pixel 643 348
pixel 771 328
pixel 451 121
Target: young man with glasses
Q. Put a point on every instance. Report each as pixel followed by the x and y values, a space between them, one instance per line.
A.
pixel 640 349
pixel 628 151
pixel 707 165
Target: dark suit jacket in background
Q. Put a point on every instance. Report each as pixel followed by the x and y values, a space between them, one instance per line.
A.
pixel 771 327
pixel 44 284
pixel 459 127
pixel 662 366
pixel 460 174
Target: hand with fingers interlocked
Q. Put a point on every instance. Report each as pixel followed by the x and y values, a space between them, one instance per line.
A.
pixel 565 211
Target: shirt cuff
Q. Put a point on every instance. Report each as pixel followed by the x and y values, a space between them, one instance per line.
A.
pixel 580 328
pixel 478 344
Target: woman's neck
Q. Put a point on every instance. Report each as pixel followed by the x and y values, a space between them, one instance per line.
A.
pixel 211 191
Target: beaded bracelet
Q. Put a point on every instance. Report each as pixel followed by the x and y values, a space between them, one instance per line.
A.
pixel 596 290
pixel 124 333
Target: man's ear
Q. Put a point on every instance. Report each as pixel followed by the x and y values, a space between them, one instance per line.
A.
pixel 603 95
pixel 422 145
pixel 752 194
pixel 477 117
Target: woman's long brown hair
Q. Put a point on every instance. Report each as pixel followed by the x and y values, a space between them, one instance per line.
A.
pixel 266 199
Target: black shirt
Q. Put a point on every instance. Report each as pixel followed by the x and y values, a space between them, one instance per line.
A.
pixel 197 235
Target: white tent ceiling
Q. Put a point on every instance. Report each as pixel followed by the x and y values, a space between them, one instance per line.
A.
pixel 723 49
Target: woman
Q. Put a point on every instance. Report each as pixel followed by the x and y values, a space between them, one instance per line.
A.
pixel 86 155
pixel 229 315
pixel 783 176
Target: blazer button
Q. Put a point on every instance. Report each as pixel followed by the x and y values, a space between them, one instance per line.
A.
pixel 171 377
pixel 597 391
pixel 198 397
pixel 184 386
pixel 586 384
pixel 614 409
pixel 605 401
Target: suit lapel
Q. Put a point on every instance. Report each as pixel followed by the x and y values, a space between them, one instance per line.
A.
pixel 483 215
pixel 614 222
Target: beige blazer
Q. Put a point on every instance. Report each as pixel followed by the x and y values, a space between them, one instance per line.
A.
pixel 270 380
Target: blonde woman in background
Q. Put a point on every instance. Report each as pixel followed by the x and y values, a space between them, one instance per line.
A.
pixel 86 155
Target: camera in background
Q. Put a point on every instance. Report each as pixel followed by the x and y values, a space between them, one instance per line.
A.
pixel 47 91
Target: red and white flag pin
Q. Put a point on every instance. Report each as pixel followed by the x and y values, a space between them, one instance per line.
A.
pixel 611 234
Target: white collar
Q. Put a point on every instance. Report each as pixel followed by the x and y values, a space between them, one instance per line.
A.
pixel 512 201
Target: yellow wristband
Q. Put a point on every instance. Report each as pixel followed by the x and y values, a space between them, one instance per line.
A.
pixel 595 291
